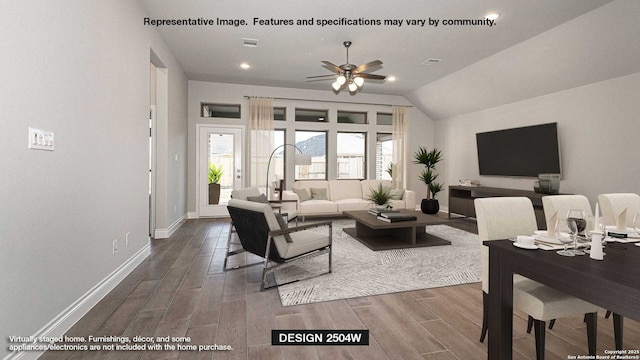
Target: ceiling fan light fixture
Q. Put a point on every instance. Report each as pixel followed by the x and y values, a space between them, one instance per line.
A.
pixel 352 86
pixel 341 80
pixel 336 86
pixel 359 81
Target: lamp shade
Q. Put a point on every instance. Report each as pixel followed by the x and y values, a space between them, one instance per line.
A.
pixel 358 81
pixel 341 80
pixel 302 159
pixel 353 86
pixel 336 86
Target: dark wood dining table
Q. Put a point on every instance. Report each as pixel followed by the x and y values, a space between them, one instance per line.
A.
pixel 612 283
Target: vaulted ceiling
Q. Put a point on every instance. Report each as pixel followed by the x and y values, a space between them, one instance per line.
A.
pixel 286 54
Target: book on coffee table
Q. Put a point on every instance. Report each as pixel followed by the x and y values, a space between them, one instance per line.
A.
pixel 380 212
pixel 396 217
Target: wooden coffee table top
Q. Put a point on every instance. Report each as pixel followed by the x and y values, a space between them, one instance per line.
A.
pixel 371 221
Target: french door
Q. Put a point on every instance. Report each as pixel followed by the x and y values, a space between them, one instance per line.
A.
pixel 219 168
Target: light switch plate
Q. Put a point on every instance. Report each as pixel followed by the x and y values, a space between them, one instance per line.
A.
pixel 41 139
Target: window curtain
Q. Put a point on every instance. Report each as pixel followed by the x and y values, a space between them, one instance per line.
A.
pixel 261 137
pixel 400 118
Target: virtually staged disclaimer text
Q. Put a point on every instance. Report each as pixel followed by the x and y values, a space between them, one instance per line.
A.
pixel 110 343
pixel 342 21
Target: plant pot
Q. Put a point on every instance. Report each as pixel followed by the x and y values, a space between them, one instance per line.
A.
pixel 430 206
pixel 214 194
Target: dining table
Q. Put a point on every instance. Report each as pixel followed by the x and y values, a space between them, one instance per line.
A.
pixel 612 283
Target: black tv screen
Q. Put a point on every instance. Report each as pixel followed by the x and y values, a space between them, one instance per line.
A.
pixel 525 151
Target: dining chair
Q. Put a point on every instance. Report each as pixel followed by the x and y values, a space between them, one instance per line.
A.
pixel 505 218
pixel 560 206
pixel 613 205
pixel 262 234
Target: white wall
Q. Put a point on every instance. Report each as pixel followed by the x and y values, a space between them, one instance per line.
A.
pixel 422 128
pixel 80 69
pixel 599 131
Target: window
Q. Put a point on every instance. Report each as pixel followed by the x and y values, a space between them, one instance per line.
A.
pixel 310 115
pixel 231 111
pixel 280 113
pixel 351 150
pixel 384 156
pixel 384 119
pixel 351 117
pixel 313 143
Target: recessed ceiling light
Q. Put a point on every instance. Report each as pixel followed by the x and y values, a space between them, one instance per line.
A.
pixel 245 66
pixel 391 78
pixel 492 16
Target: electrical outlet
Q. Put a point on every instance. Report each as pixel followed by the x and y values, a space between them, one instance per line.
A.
pixel 126 239
pixel 115 246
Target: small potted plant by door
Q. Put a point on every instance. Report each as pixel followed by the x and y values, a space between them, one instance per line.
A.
pixel 215 174
pixel 429 159
pixel 380 197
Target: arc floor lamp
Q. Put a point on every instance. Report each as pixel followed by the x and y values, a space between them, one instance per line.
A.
pixel 299 159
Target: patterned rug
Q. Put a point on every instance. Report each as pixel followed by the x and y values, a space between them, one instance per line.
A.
pixel 359 271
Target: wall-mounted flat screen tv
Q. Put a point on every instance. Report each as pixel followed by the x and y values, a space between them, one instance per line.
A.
pixel 525 151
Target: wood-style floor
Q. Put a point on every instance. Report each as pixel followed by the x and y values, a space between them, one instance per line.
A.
pixel 181 290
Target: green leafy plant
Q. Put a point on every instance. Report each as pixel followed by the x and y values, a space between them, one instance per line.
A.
pixel 390 170
pixel 215 173
pixel 380 196
pixel 429 159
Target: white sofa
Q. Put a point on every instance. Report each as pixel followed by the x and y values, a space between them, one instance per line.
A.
pixel 343 195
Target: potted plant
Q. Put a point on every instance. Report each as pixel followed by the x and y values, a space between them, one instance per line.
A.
pixel 429 159
pixel 215 174
pixel 380 196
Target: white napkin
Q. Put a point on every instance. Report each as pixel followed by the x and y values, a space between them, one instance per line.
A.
pixel 553 224
pixel 621 221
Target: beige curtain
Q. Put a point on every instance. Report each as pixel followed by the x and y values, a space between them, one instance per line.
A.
pixel 400 118
pixel 261 138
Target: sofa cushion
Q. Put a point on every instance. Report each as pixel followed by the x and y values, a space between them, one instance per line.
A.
pixel 353 204
pixel 303 194
pixel 344 189
pixel 262 198
pixel 318 207
pixel 398 204
pixel 396 194
pixel 319 194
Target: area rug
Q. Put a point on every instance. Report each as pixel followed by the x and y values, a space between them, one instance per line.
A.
pixel 359 271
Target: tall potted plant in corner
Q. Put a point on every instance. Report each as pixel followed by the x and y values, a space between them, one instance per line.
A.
pixel 215 174
pixel 429 159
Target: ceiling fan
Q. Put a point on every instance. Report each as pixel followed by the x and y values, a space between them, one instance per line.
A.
pixel 349 74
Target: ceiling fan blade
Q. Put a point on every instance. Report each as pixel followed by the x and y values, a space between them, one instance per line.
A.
pixel 332 66
pixel 371 76
pixel 369 65
pixel 322 76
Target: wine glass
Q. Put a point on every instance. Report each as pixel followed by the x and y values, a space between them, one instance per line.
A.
pixel 576 217
pixel 566 240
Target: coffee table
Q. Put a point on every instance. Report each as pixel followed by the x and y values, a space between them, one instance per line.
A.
pixel 380 235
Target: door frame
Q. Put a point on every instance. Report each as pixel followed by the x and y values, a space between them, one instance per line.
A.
pixel 205 127
pixel 152 170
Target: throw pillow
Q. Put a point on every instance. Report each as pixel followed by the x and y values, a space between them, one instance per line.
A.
pixel 260 199
pixel 319 194
pixel 303 195
pixel 396 194
pixel 283 225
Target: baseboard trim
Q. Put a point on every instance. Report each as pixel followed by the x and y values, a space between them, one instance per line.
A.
pixel 166 233
pixel 192 215
pixel 69 316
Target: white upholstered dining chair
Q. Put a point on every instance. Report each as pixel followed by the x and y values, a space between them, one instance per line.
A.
pixel 505 218
pixel 561 204
pixel 613 205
